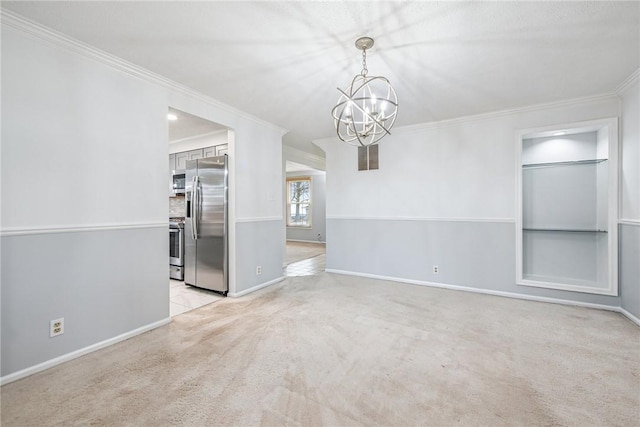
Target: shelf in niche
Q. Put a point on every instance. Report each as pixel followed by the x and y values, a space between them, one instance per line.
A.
pixel 569 163
pixel 568 230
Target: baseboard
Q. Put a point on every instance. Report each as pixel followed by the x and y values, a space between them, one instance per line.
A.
pixel 481 291
pixel 307 241
pixel 255 288
pixel 81 352
pixel 630 316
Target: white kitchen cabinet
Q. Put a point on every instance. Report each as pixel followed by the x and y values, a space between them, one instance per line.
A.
pixel 181 160
pixel 195 154
pixel 178 161
pixel 222 149
pixel 209 151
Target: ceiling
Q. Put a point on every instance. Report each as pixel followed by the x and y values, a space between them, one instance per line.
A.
pixel 189 126
pixel 283 60
pixel 297 167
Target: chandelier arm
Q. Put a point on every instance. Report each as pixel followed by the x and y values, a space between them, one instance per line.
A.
pixel 364 111
pixel 358 120
pixel 338 121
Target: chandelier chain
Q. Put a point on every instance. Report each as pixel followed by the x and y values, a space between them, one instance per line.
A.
pixel 364 63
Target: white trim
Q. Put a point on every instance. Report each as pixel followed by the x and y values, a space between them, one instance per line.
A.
pixel 260 219
pixel 307 241
pixel 583 126
pixel 255 288
pixel 508 112
pixel 568 287
pixel 410 218
pixel 622 87
pixel 231 206
pixel 81 352
pixel 611 123
pixel 480 291
pixel 41 32
pixel 80 228
pixel 485 116
pixel 634 222
pixel 630 316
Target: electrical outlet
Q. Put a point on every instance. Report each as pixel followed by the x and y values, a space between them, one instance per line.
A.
pixel 436 270
pixel 56 327
pixel 258 270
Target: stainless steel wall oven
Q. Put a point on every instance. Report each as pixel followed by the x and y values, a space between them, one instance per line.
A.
pixel 176 248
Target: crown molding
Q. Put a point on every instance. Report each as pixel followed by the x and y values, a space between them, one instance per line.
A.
pixel 507 112
pixel 633 78
pixel 485 116
pixel 38 31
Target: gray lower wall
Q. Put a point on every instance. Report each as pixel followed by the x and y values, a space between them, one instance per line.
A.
pixel 629 270
pixel 104 283
pixel 472 254
pixel 306 234
pixel 258 243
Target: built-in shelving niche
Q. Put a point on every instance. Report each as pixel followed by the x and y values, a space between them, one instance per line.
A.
pixel 566 225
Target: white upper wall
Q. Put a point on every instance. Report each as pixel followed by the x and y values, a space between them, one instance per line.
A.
pixel 630 153
pixel 84 144
pixel 581 146
pixel 258 174
pixel 459 169
pixel 81 144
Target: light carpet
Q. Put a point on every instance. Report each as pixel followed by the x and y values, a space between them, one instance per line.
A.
pixel 337 350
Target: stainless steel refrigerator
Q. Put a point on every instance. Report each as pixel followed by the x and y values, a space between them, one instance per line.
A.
pixel 205 257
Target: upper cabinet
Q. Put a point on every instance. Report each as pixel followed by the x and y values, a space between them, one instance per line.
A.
pixel 209 152
pixel 178 161
pixel 181 160
pixel 195 154
pixel 222 149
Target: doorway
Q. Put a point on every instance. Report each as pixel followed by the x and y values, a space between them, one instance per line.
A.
pixel 305 224
pixel 190 138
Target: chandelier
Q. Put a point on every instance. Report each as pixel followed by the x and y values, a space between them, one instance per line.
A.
pixel 367 109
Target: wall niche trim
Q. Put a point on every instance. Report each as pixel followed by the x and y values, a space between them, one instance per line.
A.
pixel 567 204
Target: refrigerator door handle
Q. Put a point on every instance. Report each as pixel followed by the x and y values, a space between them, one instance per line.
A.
pixel 194 208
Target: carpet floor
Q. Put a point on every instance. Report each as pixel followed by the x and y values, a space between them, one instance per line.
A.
pixel 337 350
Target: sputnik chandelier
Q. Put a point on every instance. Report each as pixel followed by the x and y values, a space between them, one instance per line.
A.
pixel 367 109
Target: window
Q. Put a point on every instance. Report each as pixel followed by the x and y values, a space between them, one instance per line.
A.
pixel 299 202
